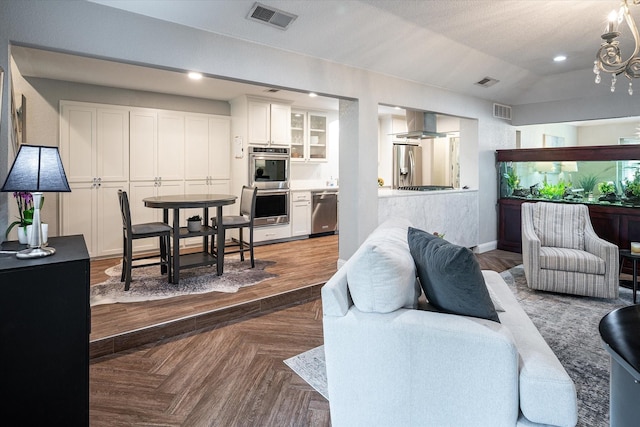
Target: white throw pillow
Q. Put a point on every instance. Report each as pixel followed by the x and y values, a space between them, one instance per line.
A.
pixel 382 277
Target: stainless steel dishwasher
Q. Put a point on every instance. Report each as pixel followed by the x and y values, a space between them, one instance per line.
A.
pixel 324 212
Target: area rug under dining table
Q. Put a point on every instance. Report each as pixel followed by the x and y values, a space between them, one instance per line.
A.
pixel 568 323
pixel 148 284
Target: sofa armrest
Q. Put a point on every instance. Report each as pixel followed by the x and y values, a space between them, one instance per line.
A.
pixel 335 294
pixel 414 367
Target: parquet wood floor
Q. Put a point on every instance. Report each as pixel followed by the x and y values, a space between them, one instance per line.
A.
pixel 228 375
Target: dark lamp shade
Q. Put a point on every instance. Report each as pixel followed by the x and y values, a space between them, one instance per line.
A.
pixel 37 169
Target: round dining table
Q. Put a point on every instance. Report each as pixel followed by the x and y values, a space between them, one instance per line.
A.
pixel 188 201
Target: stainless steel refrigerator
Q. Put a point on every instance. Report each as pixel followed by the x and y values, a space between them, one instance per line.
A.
pixel 407 165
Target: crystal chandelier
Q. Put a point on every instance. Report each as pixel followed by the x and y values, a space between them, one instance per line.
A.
pixel 609 57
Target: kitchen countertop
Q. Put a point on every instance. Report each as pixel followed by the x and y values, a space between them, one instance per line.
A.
pixel 314 188
pixel 389 192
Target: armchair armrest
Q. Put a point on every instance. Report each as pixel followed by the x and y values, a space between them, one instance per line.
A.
pixel 604 250
pixel 530 245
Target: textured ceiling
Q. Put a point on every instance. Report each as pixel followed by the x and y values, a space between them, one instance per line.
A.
pixel 445 43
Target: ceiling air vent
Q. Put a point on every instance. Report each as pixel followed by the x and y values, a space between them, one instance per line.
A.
pixel 271 16
pixel 487 82
pixel 502 111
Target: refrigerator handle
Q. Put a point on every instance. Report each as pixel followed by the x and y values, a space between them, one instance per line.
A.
pixel 412 164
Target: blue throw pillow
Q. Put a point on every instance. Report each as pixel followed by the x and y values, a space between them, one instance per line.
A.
pixel 450 276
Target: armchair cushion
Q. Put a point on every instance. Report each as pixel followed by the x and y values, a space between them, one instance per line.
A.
pixel 559 225
pixel 450 276
pixel 571 260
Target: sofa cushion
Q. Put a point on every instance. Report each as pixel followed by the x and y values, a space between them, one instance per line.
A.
pixel 559 225
pixel 381 275
pixel 450 276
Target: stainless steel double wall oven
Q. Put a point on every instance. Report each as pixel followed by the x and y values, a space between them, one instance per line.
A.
pixel 269 171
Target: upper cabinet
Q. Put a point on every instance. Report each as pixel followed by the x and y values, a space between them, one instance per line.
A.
pixel 157 145
pixel 308 136
pixel 94 142
pixel 268 122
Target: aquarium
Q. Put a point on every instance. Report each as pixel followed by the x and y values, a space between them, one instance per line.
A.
pixel 608 175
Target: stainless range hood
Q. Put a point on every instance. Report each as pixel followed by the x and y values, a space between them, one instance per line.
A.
pixel 421 125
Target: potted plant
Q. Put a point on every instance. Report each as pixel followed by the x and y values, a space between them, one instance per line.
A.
pixel 25 214
pixel 194 223
pixel 607 191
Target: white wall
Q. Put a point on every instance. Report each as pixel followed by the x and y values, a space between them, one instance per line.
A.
pixel 607 134
pixel 534 135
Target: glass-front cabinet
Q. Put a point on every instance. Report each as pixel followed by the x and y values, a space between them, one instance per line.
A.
pixel 605 178
pixel 308 136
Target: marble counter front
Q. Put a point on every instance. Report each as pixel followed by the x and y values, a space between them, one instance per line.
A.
pixel 452 212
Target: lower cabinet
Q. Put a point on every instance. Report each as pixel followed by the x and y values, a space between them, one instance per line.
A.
pixel 271 232
pixel 300 213
pixel 92 209
pixel 44 330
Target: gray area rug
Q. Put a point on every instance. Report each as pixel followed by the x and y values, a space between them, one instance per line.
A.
pixel 148 284
pixel 568 323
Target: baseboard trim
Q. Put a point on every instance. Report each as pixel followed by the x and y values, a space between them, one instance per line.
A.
pixel 486 247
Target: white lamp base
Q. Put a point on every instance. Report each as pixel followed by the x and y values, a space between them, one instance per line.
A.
pixel 36 252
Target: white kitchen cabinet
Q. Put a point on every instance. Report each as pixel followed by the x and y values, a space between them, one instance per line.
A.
pixel 157 145
pixel 207 147
pixel 92 209
pixel 272 232
pixel 148 152
pixel 268 123
pixel 300 213
pixel 94 147
pixel 308 136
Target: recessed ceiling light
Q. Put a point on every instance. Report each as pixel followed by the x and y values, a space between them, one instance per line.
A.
pixel 195 76
pixel 312 94
pixel 559 58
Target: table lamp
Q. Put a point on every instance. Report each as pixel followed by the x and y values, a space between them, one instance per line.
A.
pixel 36 169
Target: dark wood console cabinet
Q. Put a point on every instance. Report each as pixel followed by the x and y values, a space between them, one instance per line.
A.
pixel 617 224
pixel 45 325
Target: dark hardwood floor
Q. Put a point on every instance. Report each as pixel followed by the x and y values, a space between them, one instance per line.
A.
pixel 231 373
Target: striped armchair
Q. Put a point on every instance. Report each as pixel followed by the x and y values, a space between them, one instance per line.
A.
pixel 562 253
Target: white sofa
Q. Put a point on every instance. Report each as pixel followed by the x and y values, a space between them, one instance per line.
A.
pixel 416 367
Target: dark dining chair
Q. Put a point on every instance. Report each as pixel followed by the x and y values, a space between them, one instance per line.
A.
pixel 241 221
pixel 131 232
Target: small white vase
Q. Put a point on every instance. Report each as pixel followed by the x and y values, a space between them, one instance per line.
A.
pixel 22 235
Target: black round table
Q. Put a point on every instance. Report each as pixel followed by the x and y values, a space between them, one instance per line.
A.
pixel 634 258
pixel 620 333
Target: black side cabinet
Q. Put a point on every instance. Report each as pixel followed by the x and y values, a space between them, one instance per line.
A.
pixel 44 334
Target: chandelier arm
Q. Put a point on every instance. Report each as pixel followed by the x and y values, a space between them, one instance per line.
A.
pixel 608 57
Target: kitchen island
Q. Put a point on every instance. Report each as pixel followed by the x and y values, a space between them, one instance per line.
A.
pixel 453 212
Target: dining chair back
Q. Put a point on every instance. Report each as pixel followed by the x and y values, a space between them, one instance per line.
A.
pixel 243 220
pixel 131 232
